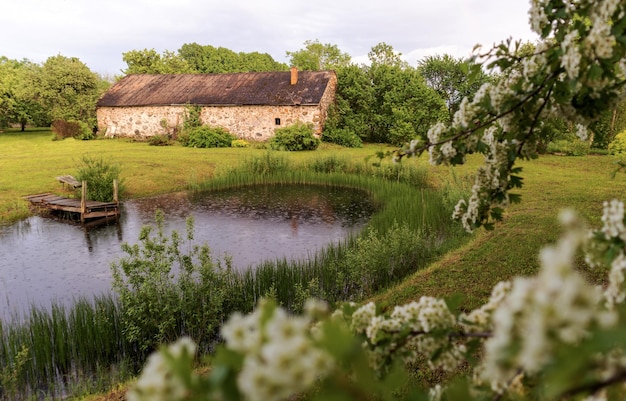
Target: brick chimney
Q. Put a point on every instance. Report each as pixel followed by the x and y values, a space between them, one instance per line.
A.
pixel 294 75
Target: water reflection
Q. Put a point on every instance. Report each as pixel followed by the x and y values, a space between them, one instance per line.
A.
pixel 42 259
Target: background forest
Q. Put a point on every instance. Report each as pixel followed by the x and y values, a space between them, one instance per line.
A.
pixel 384 101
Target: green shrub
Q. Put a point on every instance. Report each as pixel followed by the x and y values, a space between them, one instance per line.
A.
pixel 618 144
pixel 298 136
pixel 72 129
pixel 342 136
pixel 168 288
pixel 208 137
pixel 240 143
pixel 159 140
pixel 99 176
pixel 377 259
pixel 571 147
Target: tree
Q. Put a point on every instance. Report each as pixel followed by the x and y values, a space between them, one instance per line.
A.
pixel 208 59
pixel 67 89
pixel 384 54
pixel 452 78
pixel 384 104
pixel 404 107
pixel 317 56
pixel 148 61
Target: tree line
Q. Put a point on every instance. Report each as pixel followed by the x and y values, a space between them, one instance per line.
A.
pixel 384 101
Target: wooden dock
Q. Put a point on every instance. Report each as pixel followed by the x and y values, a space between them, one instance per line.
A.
pixel 81 208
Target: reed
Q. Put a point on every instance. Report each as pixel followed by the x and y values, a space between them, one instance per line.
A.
pixel 64 346
pixel 410 229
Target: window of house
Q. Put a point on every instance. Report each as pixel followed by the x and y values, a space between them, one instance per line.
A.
pixel 277 121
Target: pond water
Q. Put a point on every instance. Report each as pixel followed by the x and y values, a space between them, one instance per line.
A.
pixel 43 259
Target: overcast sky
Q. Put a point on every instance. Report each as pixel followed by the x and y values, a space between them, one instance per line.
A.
pixel 98 32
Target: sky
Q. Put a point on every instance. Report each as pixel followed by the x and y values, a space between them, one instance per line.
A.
pixel 99 32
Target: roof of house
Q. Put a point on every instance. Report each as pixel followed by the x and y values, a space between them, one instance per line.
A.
pixel 251 88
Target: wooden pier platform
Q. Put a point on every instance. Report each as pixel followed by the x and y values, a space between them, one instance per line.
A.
pixel 82 208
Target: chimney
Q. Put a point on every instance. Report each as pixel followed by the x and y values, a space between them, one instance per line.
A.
pixel 294 75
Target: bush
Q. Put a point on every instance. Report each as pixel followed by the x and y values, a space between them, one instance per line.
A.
pixel 618 145
pixel 298 136
pixel 159 140
pixel 99 176
pixel 342 136
pixel 240 143
pixel 72 129
pixel 170 288
pixel 208 137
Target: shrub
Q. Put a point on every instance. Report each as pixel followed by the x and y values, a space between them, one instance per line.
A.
pixel 572 147
pixel 159 140
pixel 618 144
pixel 72 129
pixel 170 288
pixel 208 137
pixel 240 143
pixel 298 136
pixel 99 176
pixel 342 136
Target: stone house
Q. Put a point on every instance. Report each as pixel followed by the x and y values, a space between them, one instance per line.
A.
pixel 249 105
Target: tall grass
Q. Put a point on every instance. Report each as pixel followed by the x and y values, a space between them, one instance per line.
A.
pixel 64 345
pixel 410 229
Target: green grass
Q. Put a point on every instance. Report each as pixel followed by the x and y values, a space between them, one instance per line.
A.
pixel 551 183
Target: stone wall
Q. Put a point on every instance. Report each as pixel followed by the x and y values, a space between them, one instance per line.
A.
pixel 247 122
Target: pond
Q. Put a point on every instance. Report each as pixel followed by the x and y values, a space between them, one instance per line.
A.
pixel 44 260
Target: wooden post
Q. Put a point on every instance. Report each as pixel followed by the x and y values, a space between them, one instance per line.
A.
pixel 83 202
pixel 115 199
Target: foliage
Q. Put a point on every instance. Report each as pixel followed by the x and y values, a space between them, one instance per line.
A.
pixel 192 117
pixel 210 60
pixel 159 140
pixel 198 59
pixel 72 129
pixel 68 89
pixel 384 54
pixel 240 143
pixel 317 56
pixel 452 78
pixel 298 136
pixel 208 137
pixel 610 123
pixel 384 103
pixel 9 375
pixel 61 88
pixel 342 136
pixel 169 287
pixel 148 61
pixel 569 147
pixel 618 145
pixel 99 175
pixel 571 74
